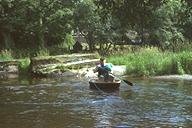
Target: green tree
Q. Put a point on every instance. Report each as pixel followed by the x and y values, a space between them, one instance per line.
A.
pixel 87 21
pixel 132 14
pixel 166 21
pixel 167 24
pixel 187 21
pixel 51 17
pixel 11 22
pixel 109 32
pixel 35 22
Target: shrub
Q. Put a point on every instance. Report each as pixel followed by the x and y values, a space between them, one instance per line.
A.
pixel 42 52
pixel 6 55
pixel 24 65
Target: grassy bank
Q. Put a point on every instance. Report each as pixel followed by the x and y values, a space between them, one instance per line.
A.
pixel 144 62
pixel 26 64
pixel 23 63
pixel 151 62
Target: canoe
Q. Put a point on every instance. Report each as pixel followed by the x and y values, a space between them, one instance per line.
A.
pixel 100 84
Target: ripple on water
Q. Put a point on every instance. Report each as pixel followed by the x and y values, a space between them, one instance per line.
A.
pixel 41 85
pixel 122 126
pixel 15 88
pixel 176 119
pixel 147 104
pixel 109 100
pixel 28 111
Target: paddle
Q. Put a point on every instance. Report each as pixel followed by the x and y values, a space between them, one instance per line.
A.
pixel 126 81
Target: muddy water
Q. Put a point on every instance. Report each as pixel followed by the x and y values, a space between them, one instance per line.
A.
pixel 69 103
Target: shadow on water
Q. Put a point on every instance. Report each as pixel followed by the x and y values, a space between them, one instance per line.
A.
pixel 69 102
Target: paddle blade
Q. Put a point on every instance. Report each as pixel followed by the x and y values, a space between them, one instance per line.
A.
pixel 128 82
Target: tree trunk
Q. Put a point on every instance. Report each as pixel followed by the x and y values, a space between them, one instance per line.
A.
pixel 90 41
pixel 40 38
pixel 8 40
pixel 40 30
pixel 40 33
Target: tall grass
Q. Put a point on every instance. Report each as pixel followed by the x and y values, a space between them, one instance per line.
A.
pixel 42 52
pixel 6 55
pixel 151 61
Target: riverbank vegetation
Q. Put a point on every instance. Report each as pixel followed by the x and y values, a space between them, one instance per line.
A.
pixel 151 61
pixel 128 28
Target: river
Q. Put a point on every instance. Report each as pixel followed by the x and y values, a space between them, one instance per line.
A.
pixel 69 103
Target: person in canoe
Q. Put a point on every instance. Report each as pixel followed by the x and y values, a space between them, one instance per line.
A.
pixel 104 70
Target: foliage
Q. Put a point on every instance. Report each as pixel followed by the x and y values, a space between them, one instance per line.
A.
pixel 69 41
pixel 167 21
pixel 24 65
pixel 151 61
pixel 162 23
pixel 32 24
pixel 6 55
pixel 38 23
pixel 87 21
pixel 42 52
pixel 187 20
pixel 61 67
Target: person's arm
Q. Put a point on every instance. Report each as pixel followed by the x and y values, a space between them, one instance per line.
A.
pixel 95 69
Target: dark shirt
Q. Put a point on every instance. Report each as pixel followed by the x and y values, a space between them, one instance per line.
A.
pixel 103 70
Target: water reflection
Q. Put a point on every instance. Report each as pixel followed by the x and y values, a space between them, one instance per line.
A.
pixel 71 103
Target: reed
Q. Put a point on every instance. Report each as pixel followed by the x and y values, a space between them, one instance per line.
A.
pixel 151 62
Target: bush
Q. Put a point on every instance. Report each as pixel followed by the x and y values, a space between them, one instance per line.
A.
pixel 6 55
pixel 24 65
